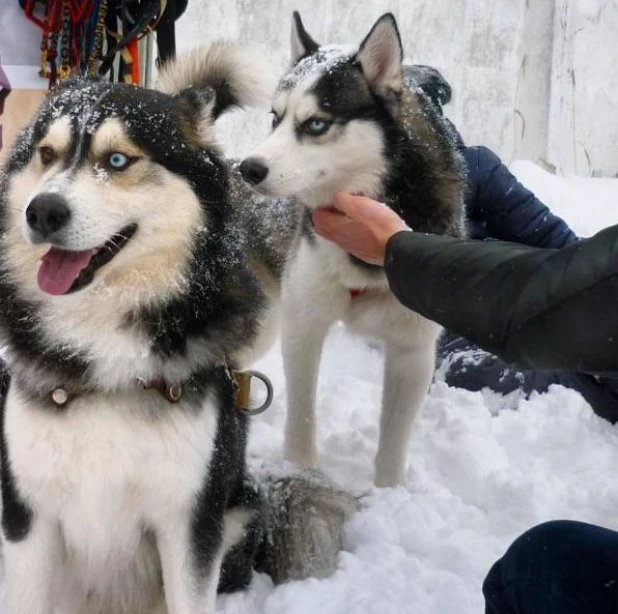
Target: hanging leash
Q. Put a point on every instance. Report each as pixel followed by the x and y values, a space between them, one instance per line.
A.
pixel 93 37
pixel 136 22
pixel 97 22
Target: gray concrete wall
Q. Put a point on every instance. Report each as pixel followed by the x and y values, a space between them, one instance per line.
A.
pixel 533 79
pixel 583 123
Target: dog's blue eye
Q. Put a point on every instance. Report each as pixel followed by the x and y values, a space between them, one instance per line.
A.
pixel 119 161
pixel 316 126
pixel 276 120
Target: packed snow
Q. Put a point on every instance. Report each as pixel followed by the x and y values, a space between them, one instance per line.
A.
pixel 482 468
pixel 325 60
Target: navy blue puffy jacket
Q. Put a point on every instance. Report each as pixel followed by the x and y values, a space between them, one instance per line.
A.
pixel 499 207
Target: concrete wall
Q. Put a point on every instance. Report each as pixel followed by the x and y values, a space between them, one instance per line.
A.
pixel 533 79
pixel 583 123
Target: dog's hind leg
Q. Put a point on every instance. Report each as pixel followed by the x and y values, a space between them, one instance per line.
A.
pixel 31 564
pixel 407 377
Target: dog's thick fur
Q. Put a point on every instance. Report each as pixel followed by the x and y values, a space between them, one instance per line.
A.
pixel 345 121
pixel 121 501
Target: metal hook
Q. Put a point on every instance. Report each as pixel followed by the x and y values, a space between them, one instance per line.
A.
pixel 243 379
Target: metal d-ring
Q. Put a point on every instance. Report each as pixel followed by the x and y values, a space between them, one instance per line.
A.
pixel 254 411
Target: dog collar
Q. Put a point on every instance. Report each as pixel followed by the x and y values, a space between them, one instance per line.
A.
pixel 173 392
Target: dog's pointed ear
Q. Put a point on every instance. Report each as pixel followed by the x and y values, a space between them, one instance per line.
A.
pixel 381 55
pixel 302 44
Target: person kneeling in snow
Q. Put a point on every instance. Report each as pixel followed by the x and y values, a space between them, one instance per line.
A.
pixel 499 207
pixel 540 309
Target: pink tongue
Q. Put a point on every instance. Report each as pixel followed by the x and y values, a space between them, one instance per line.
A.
pixel 60 268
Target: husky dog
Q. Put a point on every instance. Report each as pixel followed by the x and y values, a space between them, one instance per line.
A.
pixel 343 120
pixel 129 294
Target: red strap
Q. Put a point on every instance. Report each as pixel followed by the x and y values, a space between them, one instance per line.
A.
pixel 52 18
pixel 30 4
pixel 133 48
pixel 79 10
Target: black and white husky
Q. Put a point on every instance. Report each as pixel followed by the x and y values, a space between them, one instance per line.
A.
pixel 343 120
pixel 129 294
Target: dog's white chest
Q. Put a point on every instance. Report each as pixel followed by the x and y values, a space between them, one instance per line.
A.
pixel 108 467
pixel 324 274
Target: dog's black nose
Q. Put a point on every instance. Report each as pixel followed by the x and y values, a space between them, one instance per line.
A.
pixel 253 170
pixel 47 213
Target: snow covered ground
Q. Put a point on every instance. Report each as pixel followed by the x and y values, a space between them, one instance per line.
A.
pixel 479 472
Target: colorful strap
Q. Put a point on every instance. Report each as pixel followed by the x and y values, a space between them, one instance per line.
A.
pixel 84 37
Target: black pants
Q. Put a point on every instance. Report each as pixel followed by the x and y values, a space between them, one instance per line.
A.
pixel 559 567
pixel 467 366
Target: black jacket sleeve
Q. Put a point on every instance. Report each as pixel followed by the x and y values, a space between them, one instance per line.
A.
pixel 541 309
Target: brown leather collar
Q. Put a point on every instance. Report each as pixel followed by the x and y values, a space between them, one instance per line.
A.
pixel 173 392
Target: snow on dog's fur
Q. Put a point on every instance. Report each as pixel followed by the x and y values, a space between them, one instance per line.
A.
pixel 343 120
pixel 130 289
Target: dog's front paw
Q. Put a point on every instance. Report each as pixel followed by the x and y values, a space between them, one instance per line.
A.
pixel 388 473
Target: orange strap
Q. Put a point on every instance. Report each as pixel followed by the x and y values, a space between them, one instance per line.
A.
pixel 133 48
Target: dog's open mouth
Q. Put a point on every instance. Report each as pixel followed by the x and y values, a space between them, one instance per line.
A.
pixel 63 271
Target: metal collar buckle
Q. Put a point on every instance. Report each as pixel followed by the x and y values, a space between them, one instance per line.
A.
pixel 242 386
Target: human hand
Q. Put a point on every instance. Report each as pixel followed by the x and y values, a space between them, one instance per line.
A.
pixel 359 225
